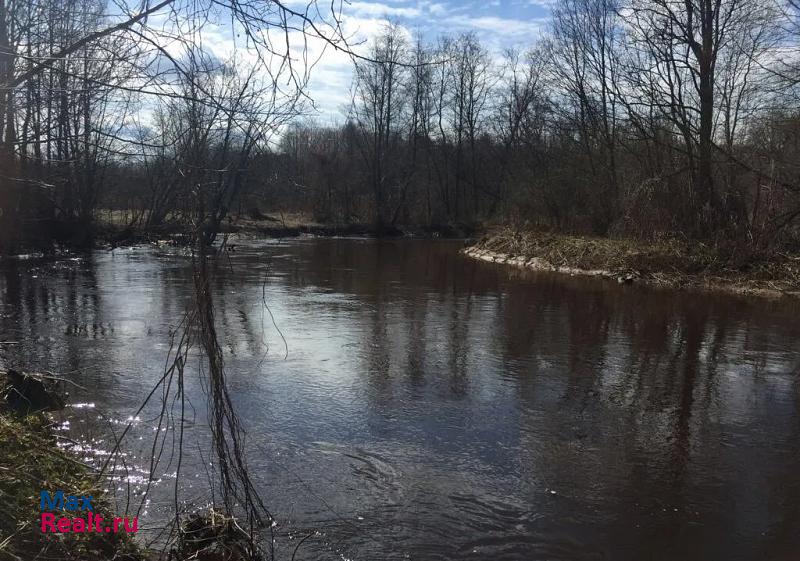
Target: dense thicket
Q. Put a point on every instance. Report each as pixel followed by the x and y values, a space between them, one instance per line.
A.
pixel 629 117
pixel 109 103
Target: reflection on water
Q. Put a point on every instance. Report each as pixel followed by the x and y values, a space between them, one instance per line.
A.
pixel 434 407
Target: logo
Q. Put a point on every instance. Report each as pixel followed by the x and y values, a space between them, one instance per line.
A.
pixel 84 518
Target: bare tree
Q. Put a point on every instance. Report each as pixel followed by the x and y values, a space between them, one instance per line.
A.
pixel 684 44
pixel 378 104
pixel 585 51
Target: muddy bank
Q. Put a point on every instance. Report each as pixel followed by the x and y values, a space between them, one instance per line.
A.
pixel 669 263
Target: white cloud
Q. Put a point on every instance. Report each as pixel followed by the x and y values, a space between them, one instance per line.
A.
pixel 437 9
pixel 362 20
pixel 331 76
pixel 544 4
pixel 377 9
pixel 500 27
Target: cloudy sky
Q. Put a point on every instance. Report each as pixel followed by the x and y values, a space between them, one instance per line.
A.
pixel 499 24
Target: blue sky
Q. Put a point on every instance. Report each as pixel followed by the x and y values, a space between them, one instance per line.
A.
pixel 499 24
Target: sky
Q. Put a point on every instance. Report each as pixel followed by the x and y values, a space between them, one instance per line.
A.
pixel 499 24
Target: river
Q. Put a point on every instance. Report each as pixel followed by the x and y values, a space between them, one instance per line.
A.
pixel 428 406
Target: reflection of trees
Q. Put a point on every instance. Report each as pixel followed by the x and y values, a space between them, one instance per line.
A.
pixel 44 300
pixel 622 404
pixel 627 401
pixel 89 317
pixel 403 339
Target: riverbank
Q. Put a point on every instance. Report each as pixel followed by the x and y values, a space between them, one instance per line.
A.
pixel 34 458
pixel 115 229
pixel 297 224
pixel 669 263
pixel 110 229
pixel 31 461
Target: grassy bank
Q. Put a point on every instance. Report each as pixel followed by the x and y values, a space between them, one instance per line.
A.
pixel 115 228
pixel 668 262
pixel 123 228
pixel 30 462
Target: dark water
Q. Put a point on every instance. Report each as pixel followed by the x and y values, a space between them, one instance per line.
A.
pixel 434 407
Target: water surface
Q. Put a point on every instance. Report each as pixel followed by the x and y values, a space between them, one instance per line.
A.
pixel 428 406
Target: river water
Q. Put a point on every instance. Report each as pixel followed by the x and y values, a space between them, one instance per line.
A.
pixel 428 406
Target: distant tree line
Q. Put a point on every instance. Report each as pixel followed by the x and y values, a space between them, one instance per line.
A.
pixel 638 118
pixel 626 117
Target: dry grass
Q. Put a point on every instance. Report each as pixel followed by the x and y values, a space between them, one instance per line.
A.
pixel 213 536
pixel 29 462
pixel 668 262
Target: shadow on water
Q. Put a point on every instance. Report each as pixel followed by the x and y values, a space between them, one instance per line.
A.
pixel 435 407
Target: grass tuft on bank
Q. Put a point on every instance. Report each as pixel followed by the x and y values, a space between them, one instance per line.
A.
pixel 30 462
pixel 670 262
